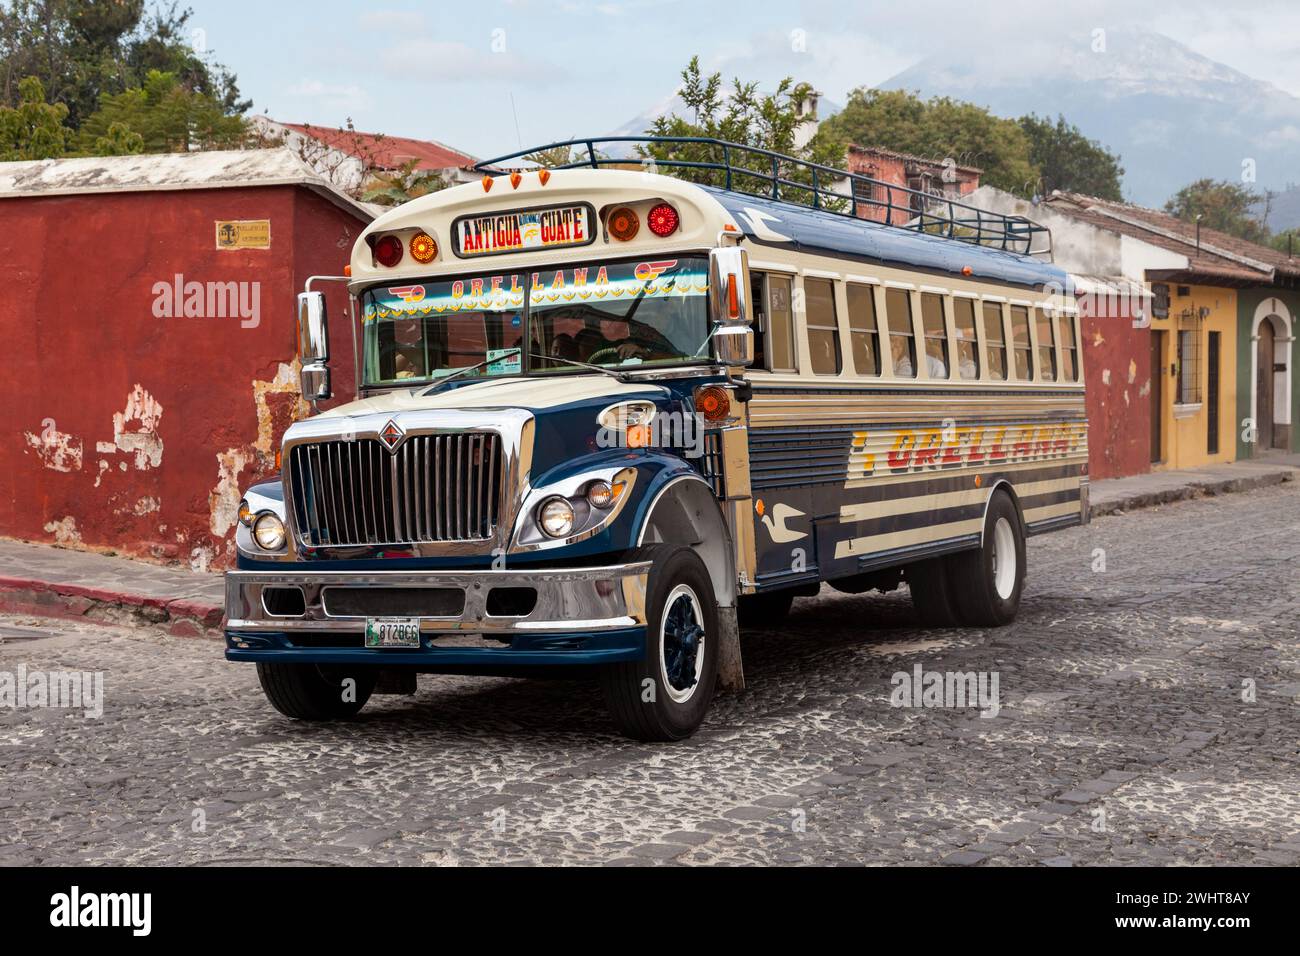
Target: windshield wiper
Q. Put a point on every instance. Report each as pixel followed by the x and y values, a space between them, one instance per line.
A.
pixel 437 386
pixel 623 377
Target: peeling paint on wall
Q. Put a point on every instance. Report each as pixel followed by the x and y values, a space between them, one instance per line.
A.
pixel 1132 371
pixel 57 450
pixel 1105 376
pixel 223 500
pixel 64 531
pixel 135 429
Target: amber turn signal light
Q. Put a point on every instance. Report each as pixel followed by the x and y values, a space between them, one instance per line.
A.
pixel 623 224
pixel 713 402
pixel 423 248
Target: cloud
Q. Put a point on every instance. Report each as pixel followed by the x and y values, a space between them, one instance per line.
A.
pixel 338 98
pixel 449 62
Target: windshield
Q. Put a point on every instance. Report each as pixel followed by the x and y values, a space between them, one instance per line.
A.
pixel 613 314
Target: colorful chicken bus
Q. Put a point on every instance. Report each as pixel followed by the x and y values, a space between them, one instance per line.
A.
pixel 605 417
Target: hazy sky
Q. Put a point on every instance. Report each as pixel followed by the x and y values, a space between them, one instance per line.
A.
pixel 449 71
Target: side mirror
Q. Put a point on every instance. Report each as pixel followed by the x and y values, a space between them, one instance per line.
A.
pixel 729 285
pixel 313 347
pixel 733 346
pixel 315 381
pixel 313 329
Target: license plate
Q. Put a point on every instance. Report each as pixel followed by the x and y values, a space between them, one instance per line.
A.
pixel 392 632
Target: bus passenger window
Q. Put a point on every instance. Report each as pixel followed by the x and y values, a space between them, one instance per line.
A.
pixel 780 325
pixel 1069 347
pixel 995 341
pixel 1046 346
pixel 1020 342
pixel 902 348
pixel 968 353
pixel 823 332
pixel 936 335
pixel 862 328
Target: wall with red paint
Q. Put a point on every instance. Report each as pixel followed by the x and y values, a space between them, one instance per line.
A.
pixel 134 432
pixel 1117 370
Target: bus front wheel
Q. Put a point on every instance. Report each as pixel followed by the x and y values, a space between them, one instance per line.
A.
pixel 665 695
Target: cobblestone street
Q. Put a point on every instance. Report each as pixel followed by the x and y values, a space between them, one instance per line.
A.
pixel 1148 714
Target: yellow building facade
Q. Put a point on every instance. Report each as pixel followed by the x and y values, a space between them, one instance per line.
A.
pixel 1193 378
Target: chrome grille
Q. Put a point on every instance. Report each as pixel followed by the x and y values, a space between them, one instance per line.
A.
pixel 433 488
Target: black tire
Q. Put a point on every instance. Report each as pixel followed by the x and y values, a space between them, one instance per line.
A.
pixel 932 593
pixel 661 698
pixel 315 692
pixel 972 574
pixel 765 609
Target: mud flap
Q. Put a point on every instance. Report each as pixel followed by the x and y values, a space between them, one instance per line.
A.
pixel 731 672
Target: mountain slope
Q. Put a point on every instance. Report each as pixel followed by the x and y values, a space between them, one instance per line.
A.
pixel 1173 115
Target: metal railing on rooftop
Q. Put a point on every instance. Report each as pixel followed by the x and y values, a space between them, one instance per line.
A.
pixel 755 171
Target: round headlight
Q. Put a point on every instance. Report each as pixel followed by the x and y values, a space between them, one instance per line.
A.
pixel 600 494
pixel 556 517
pixel 268 532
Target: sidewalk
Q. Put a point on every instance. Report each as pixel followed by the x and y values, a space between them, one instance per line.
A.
pixel 1117 495
pixel 57 582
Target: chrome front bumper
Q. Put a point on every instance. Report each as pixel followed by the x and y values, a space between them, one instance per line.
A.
pixel 585 600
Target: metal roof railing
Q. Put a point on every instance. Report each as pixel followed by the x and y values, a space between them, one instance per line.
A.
pixel 755 171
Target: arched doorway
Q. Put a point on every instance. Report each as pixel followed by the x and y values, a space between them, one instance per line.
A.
pixel 1270 373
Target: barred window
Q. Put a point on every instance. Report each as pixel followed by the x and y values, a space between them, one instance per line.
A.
pixel 1189 378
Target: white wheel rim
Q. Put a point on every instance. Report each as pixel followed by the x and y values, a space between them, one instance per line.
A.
pixel 678 695
pixel 1004 558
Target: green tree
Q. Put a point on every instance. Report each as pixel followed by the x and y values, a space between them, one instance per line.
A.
pixel 940 128
pixel 1222 205
pixel 1287 241
pixel 765 121
pixel 118 141
pixel 1069 161
pixel 168 117
pixel 34 129
pixel 396 186
pixel 83 49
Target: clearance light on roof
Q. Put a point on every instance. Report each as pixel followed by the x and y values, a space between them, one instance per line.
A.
pixel 487 183
pixel 423 248
pixel 623 224
pixel 516 178
pixel 388 251
pixel 543 176
pixel 663 220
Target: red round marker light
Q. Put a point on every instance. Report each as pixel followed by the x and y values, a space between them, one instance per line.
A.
pixel 663 220
pixel 388 251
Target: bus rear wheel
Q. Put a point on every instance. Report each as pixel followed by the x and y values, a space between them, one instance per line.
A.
pixel 987 582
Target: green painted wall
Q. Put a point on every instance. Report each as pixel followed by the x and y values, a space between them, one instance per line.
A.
pixel 1248 301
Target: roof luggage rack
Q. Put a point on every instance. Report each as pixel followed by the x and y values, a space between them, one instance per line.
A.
pixel 754 171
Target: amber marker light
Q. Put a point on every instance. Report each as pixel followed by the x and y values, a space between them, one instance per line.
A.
pixel 423 248
pixel 543 176
pixel 638 436
pixel 713 402
pixel 623 224
pixel 733 298
pixel 347 270
pixel 487 183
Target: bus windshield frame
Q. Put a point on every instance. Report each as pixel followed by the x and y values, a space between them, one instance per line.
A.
pixel 623 314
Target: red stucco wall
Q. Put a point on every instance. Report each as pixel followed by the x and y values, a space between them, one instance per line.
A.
pixel 1116 363
pixel 133 432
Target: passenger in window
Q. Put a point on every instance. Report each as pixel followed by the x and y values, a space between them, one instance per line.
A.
pixel 900 347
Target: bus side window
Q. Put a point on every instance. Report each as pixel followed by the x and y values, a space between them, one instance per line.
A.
pixel 936 335
pixel 780 324
pixel 902 348
pixel 968 353
pixel 995 341
pixel 1020 342
pixel 862 328
pixel 1069 346
pixel 1046 346
pixel 823 331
